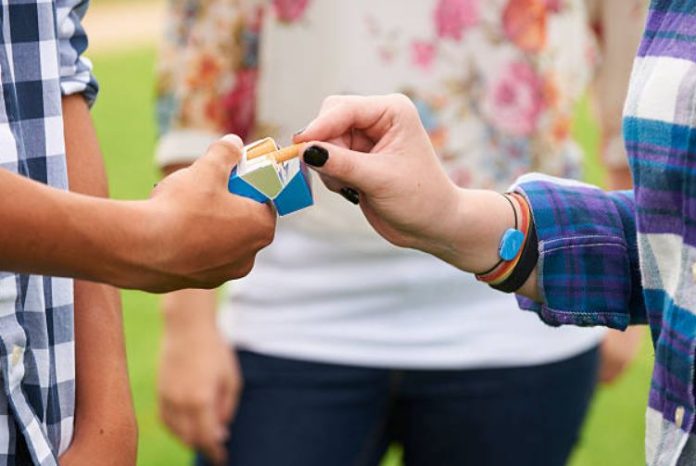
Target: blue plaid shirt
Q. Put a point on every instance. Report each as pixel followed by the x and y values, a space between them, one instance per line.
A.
pixel 40 60
pixel 630 257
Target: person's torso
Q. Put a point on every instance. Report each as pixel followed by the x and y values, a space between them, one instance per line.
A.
pixel 37 363
pixel 496 92
pixel 660 117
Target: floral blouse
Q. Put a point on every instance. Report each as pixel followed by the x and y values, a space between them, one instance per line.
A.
pixel 496 81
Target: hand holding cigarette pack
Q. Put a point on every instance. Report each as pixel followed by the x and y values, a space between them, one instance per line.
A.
pixel 268 173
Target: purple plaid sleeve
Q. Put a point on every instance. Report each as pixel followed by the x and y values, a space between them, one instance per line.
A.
pixel 588 255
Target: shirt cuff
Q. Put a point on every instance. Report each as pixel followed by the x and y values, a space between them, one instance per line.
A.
pixel 588 270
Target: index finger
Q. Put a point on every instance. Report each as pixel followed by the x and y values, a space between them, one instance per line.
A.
pixel 373 115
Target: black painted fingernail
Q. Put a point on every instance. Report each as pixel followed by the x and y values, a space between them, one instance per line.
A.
pixel 351 195
pixel 316 156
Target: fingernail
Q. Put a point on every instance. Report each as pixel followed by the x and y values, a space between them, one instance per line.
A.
pixel 316 156
pixel 351 195
pixel 297 133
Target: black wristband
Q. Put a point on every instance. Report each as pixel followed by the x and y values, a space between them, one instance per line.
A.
pixel 525 267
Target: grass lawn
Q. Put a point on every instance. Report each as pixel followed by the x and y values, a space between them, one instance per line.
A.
pixel 613 435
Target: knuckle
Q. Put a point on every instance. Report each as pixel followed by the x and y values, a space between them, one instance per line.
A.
pixel 346 168
pixel 402 101
pixel 266 237
pixel 194 401
pixel 331 101
pixel 246 268
pixel 207 283
pixel 224 148
pixel 187 438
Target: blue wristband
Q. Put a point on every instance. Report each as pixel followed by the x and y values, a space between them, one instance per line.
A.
pixel 510 244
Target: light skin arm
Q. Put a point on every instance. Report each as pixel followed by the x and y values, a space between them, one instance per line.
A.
pixel 417 206
pixel 377 145
pixel 620 26
pixel 199 380
pixel 105 424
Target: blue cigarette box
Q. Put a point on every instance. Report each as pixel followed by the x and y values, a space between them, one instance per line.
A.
pixel 287 185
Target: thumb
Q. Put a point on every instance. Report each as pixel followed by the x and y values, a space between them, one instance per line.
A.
pixel 222 155
pixel 359 170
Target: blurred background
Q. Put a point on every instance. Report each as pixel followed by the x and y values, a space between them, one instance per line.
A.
pixel 123 41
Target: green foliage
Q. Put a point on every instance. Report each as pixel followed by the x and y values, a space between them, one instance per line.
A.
pixel 125 121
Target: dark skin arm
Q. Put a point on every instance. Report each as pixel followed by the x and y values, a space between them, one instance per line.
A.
pixel 105 425
pixel 192 233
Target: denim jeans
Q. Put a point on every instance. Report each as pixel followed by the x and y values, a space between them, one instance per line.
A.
pixel 300 413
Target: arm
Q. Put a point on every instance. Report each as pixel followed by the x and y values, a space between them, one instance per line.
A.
pixel 191 233
pixel 104 419
pixel 587 272
pixel 199 380
pixel 619 25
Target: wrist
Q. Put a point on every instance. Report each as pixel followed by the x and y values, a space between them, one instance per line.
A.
pixel 138 245
pixel 116 434
pixel 190 312
pixel 472 230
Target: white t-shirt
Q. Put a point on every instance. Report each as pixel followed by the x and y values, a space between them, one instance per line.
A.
pixel 329 289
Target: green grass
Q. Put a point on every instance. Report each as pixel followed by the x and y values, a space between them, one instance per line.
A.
pixel 125 123
pixel 613 435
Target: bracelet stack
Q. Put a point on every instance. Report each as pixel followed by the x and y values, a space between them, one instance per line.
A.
pixel 518 250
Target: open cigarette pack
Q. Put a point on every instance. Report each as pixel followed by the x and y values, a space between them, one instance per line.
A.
pixel 268 173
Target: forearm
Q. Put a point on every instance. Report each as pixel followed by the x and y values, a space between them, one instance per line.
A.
pixel 587 249
pixel 51 232
pixel 104 409
pixel 621 24
pixel 190 312
pixel 471 237
pixel 104 414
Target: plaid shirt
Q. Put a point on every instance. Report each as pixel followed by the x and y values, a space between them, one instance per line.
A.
pixel 40 59
pixel 596 268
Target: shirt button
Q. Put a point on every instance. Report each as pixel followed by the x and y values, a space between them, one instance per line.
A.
pixel 17 352
pixel 679 416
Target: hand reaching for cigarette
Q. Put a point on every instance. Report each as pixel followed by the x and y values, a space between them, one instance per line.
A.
pixel 374 151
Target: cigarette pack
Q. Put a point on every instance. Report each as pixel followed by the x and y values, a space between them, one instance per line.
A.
pixel 258 176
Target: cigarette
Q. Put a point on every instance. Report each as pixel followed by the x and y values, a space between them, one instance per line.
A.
pixel 264 147
pixel 285 154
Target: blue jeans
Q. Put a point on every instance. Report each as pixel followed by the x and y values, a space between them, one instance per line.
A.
pixel 299 413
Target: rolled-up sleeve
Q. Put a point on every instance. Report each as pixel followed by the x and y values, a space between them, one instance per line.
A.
pixel 75 69
pixel 588 255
